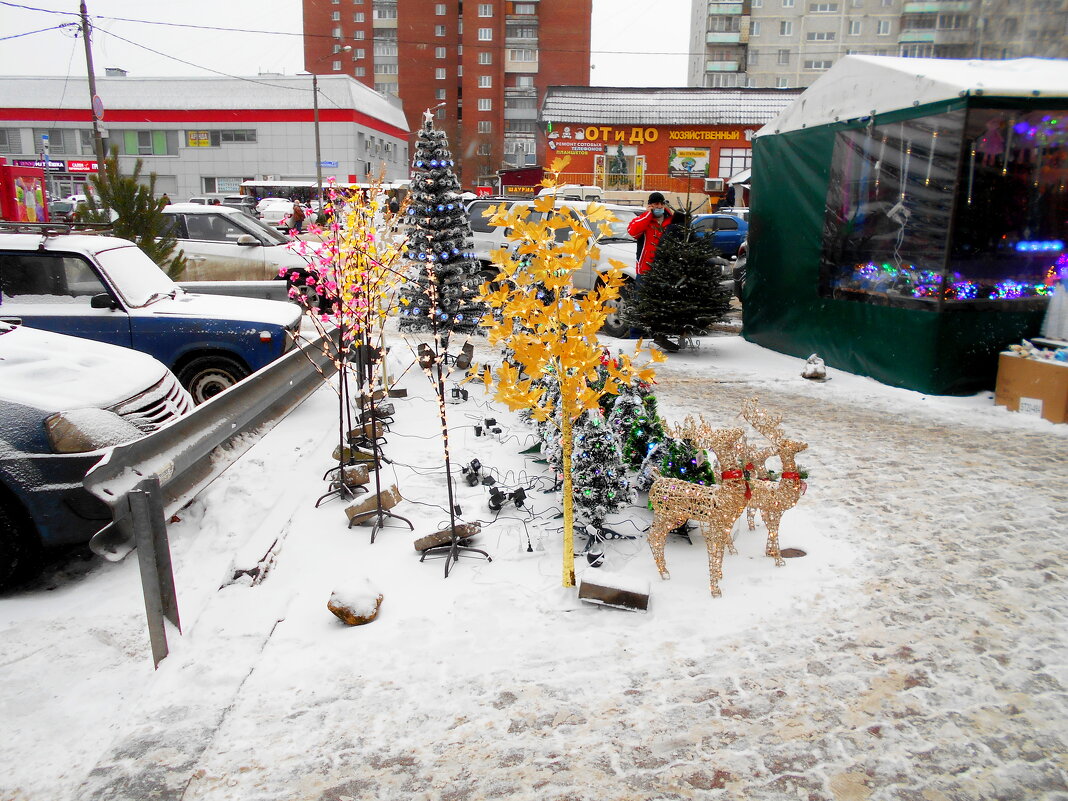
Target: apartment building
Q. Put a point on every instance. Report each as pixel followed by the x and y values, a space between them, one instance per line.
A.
pixel 483 67
pixel 789 43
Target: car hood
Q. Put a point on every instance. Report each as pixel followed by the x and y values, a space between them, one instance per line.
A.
pixel 54 372
pixel 225 307
pixel 625 252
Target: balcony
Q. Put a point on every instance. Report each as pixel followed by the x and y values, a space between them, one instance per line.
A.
pixel 729 37
pixel 723 66
pixel 938 6
pixel 725 9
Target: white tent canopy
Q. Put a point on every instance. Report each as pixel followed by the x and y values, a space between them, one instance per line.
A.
pixel 859 86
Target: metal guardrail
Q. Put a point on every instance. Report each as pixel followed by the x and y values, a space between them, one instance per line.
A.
pixel 146 481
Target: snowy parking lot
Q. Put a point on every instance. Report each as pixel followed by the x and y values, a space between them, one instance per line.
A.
pixel 917 651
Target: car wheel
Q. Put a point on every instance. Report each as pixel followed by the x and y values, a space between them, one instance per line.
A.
pixel 19 548
pixel 616 323
pixel 207 376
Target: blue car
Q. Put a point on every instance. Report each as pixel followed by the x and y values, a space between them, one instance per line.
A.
pixel 107 289
pixel 727 231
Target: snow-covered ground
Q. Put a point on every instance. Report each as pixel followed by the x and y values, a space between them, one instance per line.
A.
pixel 916 652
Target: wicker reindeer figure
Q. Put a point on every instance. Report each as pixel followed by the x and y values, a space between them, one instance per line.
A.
pixel 714 507
pixel 771 498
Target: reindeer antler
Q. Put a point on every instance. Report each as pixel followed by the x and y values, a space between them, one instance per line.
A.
pixel 768 424
pixel 698 431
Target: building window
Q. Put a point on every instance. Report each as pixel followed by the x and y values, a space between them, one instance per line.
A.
pixel 784 57
pixel 360 72
pixel 335 17
pixel 758 3
pixel 524 81
pixel 440 114
pixel 335 65
pixel 751 58
pixel 522 54
pixel 336 33
pixel 787 3
pixel 820 36
pixel 786 28
pixel 485 9
pixel 884 27
pixel 485 126
pixel 384 12
pixel 439 10
pixel 724 24
pixel 952 22
pixel 385 48
pixel 854 27
pixel 526 9
pixel 359 35
pixel 782 83
pixel 485 104
pixel 439 94
pixel 732 160
pixel 439 73
pixel 485 81
pixel 484 149
pixel 520 126
pixel 439 52
pixel 1008 27
pixel 359 53
pixel 754 29
pixel 439 30
pixel 818 64
pixel 485 34
pixel 10 140
pixel 917 51
pixel 521 103
pixel 151 143
pixel 386 69
pixel 485 57
pixel 823 8
pixel 358 17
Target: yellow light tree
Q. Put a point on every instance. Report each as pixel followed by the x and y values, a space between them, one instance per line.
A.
pixel 549 327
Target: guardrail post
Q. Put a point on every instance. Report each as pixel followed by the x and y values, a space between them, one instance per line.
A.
pixel 154 559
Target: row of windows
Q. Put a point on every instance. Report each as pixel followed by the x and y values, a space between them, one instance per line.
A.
pixel 786 28
pixel 71 141
pixel 823 8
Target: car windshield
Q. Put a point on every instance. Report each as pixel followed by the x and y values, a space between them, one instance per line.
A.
pixel 264 232
pixel 619 227
pixel 135 276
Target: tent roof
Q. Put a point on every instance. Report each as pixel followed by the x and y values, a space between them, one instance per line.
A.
pixel 858 86
pixel 643 105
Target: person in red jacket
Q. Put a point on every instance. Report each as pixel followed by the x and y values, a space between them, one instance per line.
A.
pixel 648 228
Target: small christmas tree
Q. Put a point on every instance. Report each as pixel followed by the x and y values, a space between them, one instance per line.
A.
pixel 598 474
pixel 444 276
pixel 635 419
pixel 684 290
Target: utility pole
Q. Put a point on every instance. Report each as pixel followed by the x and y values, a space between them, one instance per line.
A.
pixel 94 101
pixel 318 154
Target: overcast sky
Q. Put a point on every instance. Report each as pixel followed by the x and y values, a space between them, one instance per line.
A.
pixel 635 42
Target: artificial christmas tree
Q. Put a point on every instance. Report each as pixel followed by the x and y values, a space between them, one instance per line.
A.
pixel 684 290
pixel 635 419
pixel 598 474
pixel 439 246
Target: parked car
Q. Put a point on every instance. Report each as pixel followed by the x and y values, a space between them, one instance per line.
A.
pixel 245 203
pixel 276 213
pixel 727 231
pixel 738 272
pixel 225 244
pixel 61 210
pixel 742 212
pixel 62 400
pixel 619 245
pixel 107 289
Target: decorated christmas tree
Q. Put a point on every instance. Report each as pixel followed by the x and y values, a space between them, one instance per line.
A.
pixel 444 276
pixel 598 474
pixel 684 289
pixel 635 420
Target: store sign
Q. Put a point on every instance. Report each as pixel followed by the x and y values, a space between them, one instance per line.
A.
pixel 688 162
pixel 50 164
pixel 81 166
pixel 197 139
pixel 587 138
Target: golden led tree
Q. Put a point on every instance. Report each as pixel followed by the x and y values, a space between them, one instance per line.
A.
pixel 549 327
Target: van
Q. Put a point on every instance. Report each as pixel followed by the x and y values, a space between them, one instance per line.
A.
pixel 574 192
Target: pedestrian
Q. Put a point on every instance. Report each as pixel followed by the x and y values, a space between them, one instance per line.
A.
pixel 296 219
pixel 165 200
pixel 648 229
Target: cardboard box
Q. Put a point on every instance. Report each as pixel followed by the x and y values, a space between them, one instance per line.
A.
pixel 1023 384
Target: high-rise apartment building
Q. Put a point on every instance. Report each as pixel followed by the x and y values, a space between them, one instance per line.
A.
pixel 789 43
pixel 482 67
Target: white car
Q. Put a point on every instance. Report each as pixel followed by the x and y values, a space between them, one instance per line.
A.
pixel 275 213
pixel 226 244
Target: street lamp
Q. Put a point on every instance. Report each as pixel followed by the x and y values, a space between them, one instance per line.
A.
pixel 315 107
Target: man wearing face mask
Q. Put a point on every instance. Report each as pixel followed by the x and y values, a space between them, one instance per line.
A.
pixel 648 228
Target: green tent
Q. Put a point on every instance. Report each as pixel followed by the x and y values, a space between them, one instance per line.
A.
pixel 909 217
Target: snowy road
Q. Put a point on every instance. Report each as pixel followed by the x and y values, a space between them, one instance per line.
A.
pixel 917 652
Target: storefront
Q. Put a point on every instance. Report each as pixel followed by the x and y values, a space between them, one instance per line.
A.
pixel 669 140
pixel 63 177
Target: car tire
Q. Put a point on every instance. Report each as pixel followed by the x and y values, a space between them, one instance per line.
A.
pixel 207 376
pixel 19 548
pixel 616 324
